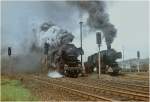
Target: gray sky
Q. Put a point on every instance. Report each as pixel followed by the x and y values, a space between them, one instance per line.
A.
pixel 129 17
pixel 131 20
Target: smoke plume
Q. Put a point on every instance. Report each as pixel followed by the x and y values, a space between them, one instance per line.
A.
pixel 22 31
pixel 54 74
pixel 98 18
pixel 54 35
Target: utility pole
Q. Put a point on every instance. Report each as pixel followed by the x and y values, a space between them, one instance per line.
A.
pixel 123 64
pixel 81 39
pixel 98 38
pixel 99 60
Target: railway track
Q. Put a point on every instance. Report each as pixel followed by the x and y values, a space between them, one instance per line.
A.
pixel 117 83
pixel 82 94
pixel 130 80
pixel 109 92
pixel 108 86
pixel 127 85
pixel 137 78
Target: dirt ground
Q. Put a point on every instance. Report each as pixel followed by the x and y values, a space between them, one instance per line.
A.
pixel 47 93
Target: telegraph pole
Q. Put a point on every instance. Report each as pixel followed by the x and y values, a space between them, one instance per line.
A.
pixel 81 39
pixel 99 60
pixel 123 64
pixel 98 38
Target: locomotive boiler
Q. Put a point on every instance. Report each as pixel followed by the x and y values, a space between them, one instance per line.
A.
pixel 108 62
pixel 65 60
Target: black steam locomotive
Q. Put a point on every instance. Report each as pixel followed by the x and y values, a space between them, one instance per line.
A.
pixel 65 60
pixel 108 62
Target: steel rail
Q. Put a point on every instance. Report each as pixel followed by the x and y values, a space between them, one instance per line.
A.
pixel 74 91
pixel 121 93
pixel 136 96
pixel 119 88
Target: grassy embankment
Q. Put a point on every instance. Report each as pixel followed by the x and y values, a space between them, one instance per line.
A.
pixel 13 90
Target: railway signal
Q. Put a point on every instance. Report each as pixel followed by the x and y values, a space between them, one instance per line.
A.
pixel 9 51
pixel 138 54
pixel 9 54
pixel 138 58
pixel 98 41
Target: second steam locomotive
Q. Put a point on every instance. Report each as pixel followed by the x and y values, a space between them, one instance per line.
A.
pixel 108 62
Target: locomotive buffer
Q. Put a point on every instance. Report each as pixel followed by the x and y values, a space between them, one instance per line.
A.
pixel 98 39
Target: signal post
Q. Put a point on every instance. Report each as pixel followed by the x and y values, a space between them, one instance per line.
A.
pixel 98 39
pixel 138 58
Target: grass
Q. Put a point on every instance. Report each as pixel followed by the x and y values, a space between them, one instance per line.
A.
pixel 12 90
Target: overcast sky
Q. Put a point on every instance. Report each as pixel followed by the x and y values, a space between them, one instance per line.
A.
pixel 129 17
pixel 131 20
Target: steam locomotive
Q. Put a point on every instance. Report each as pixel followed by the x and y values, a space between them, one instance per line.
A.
pixel 65 60
pixel 108 62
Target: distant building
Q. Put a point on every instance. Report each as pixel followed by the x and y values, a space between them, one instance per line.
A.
pixel 131 64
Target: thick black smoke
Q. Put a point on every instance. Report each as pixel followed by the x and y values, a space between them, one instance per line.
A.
pixel 98 18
